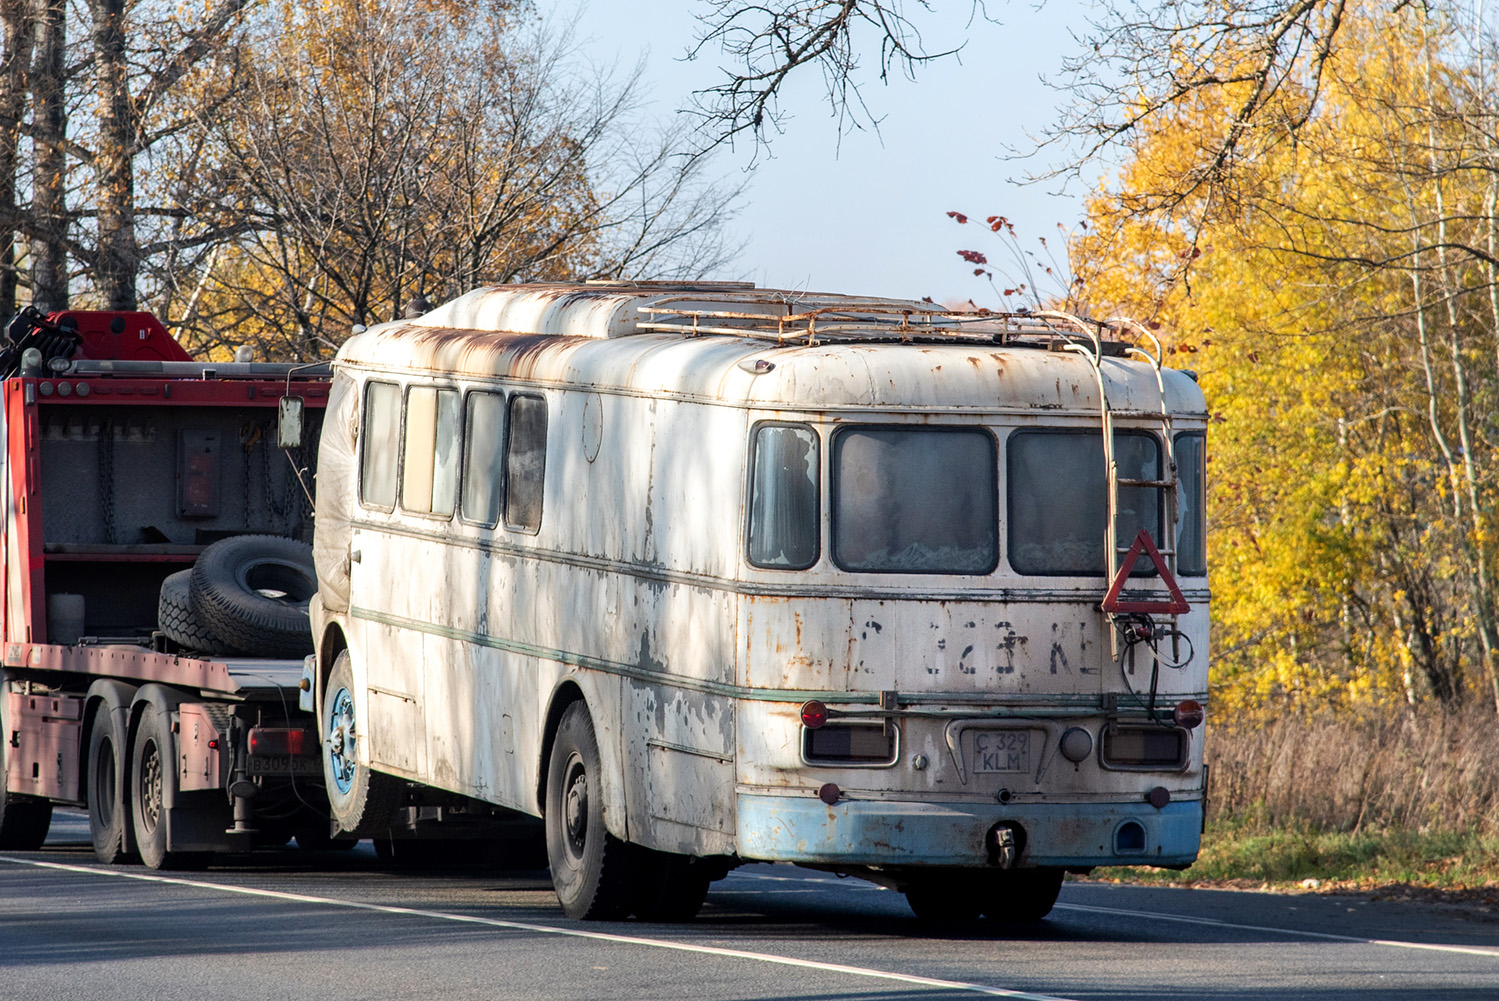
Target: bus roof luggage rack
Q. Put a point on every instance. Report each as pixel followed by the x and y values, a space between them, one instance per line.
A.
pixel 809 320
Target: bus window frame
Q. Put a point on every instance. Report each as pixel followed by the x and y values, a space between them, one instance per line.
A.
pixel 364 439
pixel 749 487
pixel 999 497
pixel 1202 515
pixel 463 445
pixel 546 443
pixel 437 391
pixel 1078 432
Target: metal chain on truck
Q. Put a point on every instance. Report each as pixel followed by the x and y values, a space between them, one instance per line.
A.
pixel 107 478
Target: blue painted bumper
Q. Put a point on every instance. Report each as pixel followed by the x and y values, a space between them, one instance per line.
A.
pixel 873 832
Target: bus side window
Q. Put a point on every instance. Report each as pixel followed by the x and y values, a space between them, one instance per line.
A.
pixel 525 462
pixel 482 454
pixel 380 434
pixel 429 479
pixel 783 506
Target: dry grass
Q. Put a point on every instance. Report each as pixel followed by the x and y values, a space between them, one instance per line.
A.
pixel 1378 769
pixel 1407 802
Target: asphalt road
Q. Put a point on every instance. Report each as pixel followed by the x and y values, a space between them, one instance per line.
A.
pixel 287 924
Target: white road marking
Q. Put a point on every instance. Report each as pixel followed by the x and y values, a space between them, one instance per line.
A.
pixel 1181 919
pixel 1290 932
pixel 655 943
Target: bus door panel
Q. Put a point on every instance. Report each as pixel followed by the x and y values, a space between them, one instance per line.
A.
pixel 388 582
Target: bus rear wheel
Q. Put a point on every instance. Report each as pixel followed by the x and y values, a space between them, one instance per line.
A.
pixel 590 867
pixel 942 896
pixel 361 800
pixel 671 887
pixel 1024 894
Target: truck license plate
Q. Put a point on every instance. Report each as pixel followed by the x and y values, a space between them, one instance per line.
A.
pixel 1001 750
pixel 284 764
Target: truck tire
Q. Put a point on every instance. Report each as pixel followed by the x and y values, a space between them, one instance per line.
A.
pixel 23 820
pixel 591 868
pixel 361 800
pixel 177 620
pixel 1024 894
pixel 251 593
pixel 108 817
pixel 152 772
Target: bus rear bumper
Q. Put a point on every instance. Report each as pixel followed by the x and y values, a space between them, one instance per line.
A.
pixel 778 828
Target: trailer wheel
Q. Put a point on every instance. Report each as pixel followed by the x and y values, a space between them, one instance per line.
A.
pixel 107 814
pixel 1024 894
pixel 590 866
pixel 251 593
pixel 360 799
pixel 176 618
pixel 152 771
pixel 23 821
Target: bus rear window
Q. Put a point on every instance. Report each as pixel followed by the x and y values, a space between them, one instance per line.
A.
pixel 1191 546
pixel 1058 494
pixel 915 501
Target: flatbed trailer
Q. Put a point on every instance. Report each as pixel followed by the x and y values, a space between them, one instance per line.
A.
pixel 124 461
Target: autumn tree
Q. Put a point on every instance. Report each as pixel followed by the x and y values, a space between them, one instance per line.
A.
pixel 367 177
pixel 1341 306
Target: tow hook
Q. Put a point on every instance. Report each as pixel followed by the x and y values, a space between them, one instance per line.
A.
pixel 1002 846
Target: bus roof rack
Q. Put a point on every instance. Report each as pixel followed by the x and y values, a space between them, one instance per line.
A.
pixel 849 319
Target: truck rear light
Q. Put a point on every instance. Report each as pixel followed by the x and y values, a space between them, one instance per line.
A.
pixel 814 714
pixel 282 740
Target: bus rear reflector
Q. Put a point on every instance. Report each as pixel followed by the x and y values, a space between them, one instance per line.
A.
pixel 814 714
pixel 282 740
pixel 1188 713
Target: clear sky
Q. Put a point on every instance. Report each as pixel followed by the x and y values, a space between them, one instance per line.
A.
pixel 869 216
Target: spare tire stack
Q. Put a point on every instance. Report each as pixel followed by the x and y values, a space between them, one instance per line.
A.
pixel 245 596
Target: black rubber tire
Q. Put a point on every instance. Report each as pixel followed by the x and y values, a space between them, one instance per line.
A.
pixel 591 868
pixel 1018 895
pixel 108 814
pixel 23 820
pixel 670 887
pixel 177 620
pixel 361 800
pixel 152 770
pixel 251 593
pixel 943 896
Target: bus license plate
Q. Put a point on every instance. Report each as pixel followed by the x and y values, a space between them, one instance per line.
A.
pixel 284 764
pixel 1001 750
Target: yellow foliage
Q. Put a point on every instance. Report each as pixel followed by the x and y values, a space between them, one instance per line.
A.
pixel 1349 529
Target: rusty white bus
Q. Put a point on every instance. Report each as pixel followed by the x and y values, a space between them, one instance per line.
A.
pixel 707 574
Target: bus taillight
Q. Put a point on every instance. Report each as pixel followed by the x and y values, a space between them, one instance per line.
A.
pixel 814 714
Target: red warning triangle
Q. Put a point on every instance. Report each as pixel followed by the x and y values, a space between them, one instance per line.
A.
pixel 1115 605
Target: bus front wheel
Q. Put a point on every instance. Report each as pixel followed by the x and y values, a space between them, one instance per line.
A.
pixel 590 866
pixel 361 800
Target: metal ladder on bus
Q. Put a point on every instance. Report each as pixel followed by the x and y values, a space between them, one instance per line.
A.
pixel 1119 560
